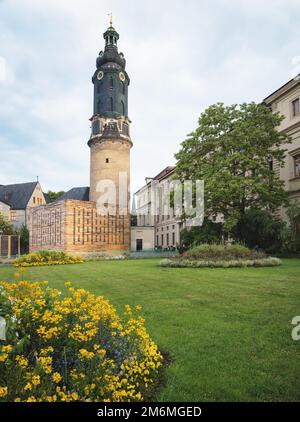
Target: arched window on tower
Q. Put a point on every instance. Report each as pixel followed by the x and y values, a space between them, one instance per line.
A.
pixel 111 104
pixel 111 82
pixel 123 108
pixel 99 107
pixel 122 88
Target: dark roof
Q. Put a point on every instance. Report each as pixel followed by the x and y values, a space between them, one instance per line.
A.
pixel 80 194
pixel 3 202
pixel 164 173
pixel 17 196
pixel 47 198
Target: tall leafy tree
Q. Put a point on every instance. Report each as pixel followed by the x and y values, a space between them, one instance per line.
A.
pixel 233 151
pixel 53 196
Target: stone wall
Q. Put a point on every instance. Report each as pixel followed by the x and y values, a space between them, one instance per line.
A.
pixel 75 226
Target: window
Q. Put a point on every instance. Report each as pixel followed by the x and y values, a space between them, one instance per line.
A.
pixel 297 165
pixel 125 129
pixel 123 108
pixel 111 82
pixel 162 240
pixel 270 164
pixel 167 239
pixel 13 216
pixel 122 88
pixel 296 107
pixel 173 239
pixel 33 199
pixel 96 127
pixel 107 160
pixel 99 107
pixel 111 104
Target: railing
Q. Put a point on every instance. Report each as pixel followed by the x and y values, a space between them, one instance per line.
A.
pixel 153 253
pixel 9 246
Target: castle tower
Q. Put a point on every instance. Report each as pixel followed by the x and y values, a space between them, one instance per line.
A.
pixel 110 141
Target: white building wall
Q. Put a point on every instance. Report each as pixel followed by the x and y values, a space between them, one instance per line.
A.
pixel 146 234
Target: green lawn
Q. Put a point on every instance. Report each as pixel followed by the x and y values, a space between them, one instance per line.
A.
pixel 229 330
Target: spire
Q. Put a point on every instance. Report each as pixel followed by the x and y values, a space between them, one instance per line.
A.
pixel 111 36
pixel 110 19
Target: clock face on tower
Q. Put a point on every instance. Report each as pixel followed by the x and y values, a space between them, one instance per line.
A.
pixel 122 76
pixel 100 75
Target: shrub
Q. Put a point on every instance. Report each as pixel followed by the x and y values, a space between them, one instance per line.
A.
pixel 5 228
pixel 23 232
pixel 221 252
pixel 237 263
pixel 41 258
pixel 72 348
pixel 260 228
pixel 209 232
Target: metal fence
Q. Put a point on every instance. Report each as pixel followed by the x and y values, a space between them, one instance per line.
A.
pixel 9 246
pixel 153 254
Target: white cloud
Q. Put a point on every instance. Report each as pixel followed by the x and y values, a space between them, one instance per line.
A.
pixel 181 57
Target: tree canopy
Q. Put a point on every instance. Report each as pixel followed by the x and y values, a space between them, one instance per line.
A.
pixel 234 150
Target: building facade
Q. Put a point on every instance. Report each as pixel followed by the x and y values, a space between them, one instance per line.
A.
pixel 158 222
pixel 96 218
pixel 286 101
pixel 16 201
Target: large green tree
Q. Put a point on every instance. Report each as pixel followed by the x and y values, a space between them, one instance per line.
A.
pixel 53 196
pixel 233 151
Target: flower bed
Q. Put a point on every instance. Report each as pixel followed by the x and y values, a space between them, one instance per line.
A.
pixel 72 347
pixel 222 252
pixel 238 263
pixel 221 256
pixel 41 258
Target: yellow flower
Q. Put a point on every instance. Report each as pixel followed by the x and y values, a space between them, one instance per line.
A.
pixel 3 357
pixel 56 377
pixel 84 354
pixel 3 391
pixel 22 362
pixel 75 396
pixel 28 386
pixel 138 307
pixel 8 348
pixel 46 364
pixel 16 275
pixel 36 380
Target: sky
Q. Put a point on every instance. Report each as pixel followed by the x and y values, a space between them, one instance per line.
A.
pixel 182 56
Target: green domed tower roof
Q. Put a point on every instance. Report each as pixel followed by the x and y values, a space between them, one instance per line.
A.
pixel 110 79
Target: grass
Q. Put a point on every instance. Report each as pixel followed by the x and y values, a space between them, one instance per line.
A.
pixel 229 330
